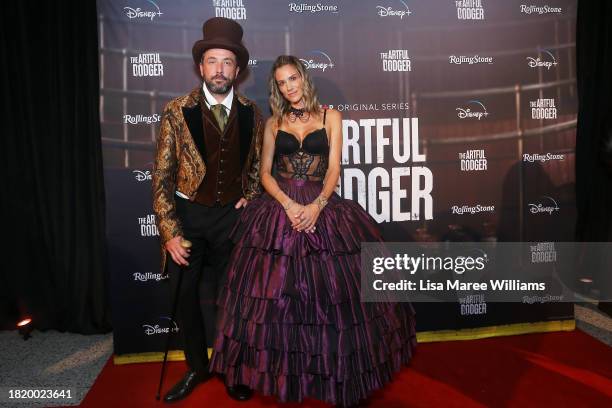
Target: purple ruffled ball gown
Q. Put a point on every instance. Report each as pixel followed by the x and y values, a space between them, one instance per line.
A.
pixel 290 320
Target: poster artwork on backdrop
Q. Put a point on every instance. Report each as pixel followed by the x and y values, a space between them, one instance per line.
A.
pixel 397 169
pixel 458 124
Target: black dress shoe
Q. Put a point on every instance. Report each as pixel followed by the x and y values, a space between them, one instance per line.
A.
pixel 239 392
pixel 184 387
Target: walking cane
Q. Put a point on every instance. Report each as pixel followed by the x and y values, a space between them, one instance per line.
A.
pixel 185 244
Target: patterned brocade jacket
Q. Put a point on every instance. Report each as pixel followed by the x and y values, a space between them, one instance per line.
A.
pixel 180 166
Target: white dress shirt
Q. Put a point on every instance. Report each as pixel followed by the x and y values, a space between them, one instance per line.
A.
pixel 211 101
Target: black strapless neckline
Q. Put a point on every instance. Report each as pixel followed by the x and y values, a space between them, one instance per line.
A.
pixel 305 137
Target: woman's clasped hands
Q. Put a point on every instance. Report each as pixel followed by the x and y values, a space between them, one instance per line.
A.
pixel 303 217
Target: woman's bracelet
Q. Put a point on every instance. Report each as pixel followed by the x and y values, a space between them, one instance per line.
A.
pixel 321 202
pixel 289 205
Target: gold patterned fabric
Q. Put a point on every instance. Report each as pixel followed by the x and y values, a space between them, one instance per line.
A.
pixel 179 164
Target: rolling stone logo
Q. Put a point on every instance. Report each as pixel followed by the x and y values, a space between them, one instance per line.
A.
pixel 472 209
pixel 469 60
pixel 470 10
pixel 542 158
pixel 547 205
pixel 148 276
pixel 540 9
pixel 395 179
pixel 395 61
pixel 321 61
pixel 545 60
pixel 543 108
pixel 154 329
pixel 146 65
pixel 313 8
pixel 138 12
pixel 148 228
pixel 233 9
pixel 400 11
pixel 139 119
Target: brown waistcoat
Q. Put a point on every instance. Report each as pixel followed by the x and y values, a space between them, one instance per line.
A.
pixel 222 183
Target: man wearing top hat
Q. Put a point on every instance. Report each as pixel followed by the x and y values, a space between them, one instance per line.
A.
pixel 206 170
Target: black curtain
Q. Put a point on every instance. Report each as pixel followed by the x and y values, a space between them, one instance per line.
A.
pixel 594 135
pixel 53 190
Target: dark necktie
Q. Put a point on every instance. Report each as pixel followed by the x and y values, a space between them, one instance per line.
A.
pixel 220 114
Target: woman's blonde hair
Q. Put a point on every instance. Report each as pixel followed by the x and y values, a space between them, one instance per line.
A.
pixel 278 103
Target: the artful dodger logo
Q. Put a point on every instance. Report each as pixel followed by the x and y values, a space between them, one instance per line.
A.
pixel 525 9
pixel 398 186
pixel 233 9
pixel 151 329
pixel 318 60
pixel 401 10
pixel 150 12
pixel 470 10
pixel 546 59
pixel 543 252
pixel 473 110
pixel 473 305
pixel 147 64
pixel 546 205
pixel 543 108
pixel 396 61
pixel 473 160
pixel 313 8
pixel 148 228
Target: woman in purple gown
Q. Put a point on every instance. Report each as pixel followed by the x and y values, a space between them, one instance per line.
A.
pixel 291 323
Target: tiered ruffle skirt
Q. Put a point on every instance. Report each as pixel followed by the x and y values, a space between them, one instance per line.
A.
pixel 291 323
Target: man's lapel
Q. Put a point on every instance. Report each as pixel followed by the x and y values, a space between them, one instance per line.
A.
pixel 193 118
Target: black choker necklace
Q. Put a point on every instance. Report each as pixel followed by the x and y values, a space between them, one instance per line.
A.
pixel 296 112
pixel 300 114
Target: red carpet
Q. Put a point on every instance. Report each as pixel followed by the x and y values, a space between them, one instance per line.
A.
pixel 563 369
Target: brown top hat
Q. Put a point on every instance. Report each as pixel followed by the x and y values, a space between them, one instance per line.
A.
pixel 220 32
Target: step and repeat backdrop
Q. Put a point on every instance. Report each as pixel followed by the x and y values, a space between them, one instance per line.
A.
pixel 459 123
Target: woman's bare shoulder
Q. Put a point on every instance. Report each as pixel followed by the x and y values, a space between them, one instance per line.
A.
pixel 332 115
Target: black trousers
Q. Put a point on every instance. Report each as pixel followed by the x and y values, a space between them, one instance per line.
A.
pixel 208 229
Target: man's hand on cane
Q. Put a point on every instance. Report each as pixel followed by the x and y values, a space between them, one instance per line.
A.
pixel 179 249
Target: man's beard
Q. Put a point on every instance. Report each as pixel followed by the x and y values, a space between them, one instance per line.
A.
pixel 219 89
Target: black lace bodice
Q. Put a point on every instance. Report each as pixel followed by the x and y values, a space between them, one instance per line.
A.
pixel 305 162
